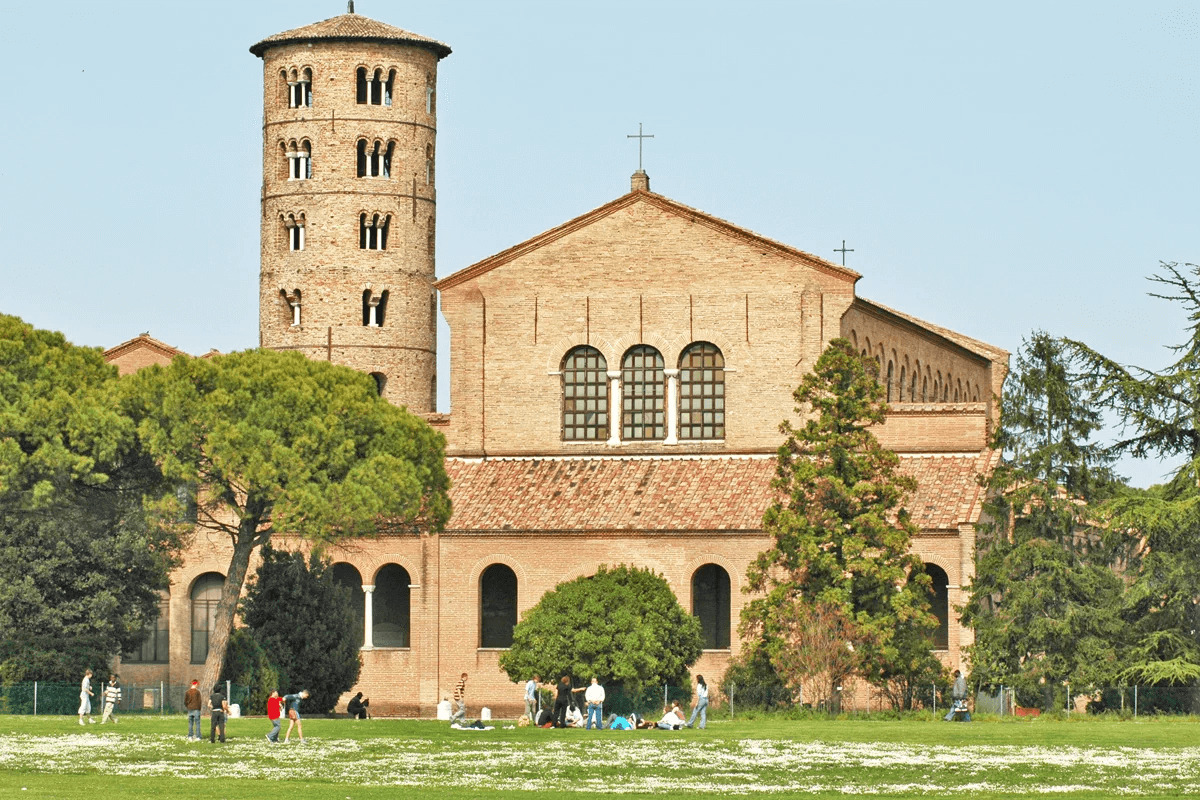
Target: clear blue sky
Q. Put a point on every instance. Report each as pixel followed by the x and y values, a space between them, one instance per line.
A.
pixel 997 167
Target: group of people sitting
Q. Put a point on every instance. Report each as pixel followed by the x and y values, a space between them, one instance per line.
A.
pixel 672 720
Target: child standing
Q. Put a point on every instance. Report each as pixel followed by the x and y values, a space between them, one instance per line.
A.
pixel 112 696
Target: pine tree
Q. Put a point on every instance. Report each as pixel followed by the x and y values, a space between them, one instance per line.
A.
pixel 1044 599
pixel 841 534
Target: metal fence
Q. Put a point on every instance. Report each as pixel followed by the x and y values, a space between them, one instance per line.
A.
pixel 45 697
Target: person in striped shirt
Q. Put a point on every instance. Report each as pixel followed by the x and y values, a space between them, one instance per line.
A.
pixel 460 701
pixel 112 696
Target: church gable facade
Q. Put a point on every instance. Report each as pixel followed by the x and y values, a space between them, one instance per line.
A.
pixel 616 386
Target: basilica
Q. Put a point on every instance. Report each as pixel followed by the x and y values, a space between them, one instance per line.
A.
pixel 616 384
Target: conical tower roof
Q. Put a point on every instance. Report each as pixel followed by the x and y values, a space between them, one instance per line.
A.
pixel 350 27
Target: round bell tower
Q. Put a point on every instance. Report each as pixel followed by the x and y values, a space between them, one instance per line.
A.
pixel 349 200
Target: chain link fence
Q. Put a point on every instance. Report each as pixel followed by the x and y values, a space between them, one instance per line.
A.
pixel 45 697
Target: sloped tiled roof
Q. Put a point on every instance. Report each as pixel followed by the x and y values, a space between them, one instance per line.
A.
pixel 351 27
pixel 693 215
pixel 685 494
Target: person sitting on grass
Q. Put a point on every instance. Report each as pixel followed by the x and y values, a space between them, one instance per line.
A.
pixel 673 719
pixel 359 707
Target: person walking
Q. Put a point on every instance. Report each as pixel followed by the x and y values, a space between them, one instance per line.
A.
pixel 460 701
pixel 701 703
pixel 112 696
pixel 85 698
pixel 192 702
pixel 595 704
pixel 531 697
pixel 275 715
pixel 219 705
pixel 292 703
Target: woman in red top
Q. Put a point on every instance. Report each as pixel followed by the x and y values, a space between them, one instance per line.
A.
pixel 274 705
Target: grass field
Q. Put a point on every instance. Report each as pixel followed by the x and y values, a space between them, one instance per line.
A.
pixel 52 757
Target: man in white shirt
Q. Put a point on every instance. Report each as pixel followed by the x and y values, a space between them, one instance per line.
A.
pixel 595 703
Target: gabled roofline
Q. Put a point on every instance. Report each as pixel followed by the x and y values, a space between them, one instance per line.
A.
pixel 659 201
pixel 144 340
pixel 972 348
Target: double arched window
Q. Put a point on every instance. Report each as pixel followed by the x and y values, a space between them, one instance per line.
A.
pixel 585 395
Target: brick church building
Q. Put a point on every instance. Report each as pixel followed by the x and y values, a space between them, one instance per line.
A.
pixel 616 384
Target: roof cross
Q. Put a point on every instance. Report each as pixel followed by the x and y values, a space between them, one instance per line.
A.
pixel 843 250
pixel 639 136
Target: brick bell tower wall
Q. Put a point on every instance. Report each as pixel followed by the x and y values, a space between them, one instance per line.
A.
pixel 334 278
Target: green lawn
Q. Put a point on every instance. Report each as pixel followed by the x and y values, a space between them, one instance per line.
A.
pixel 52 757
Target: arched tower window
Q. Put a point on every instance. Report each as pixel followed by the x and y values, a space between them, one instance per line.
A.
pixel 374 308
pixel 346 575
pixel 497 606
pixel 375 159
pixel 373 231
pixel 585 395
pixel 702 392
pixel 374 87
pixel 430 104
pixel 710 602
pixel 643 393
pixel 901 386
pixel 390 612
pixel 205 594
pixel 890 377
pixel 428 164
pixel 299 161
pixel 293 301
pixel 294 227
pixel 300 89
pixel 939 605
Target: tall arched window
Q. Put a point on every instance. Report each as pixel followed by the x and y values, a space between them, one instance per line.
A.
pixel 710 602
pixel 156 647
pixel 497 606
pixel 585 395
pixel 702 392
pixel 390 611
pixel 643 394
pixel 890 380
pixel 346 575
pixel 902 385
pixel 206 593
pixel 939 604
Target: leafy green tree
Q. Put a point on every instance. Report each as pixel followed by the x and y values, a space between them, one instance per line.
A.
pixel 1044 601
pixel 840 532
pixel 280 443
pixel 81 563
pixel 1159 411
pixel 623 625
pixel 305 620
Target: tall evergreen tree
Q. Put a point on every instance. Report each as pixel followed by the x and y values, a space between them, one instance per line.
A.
pixel 1160 414
pixel 81 560
pixel 840 532
pixel 280 443
pixel 305 622
pixel 1044 599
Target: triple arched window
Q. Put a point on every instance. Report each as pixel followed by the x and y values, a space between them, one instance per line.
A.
pixel 374 87
pixel 655 403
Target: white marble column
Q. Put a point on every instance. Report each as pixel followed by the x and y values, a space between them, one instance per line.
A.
pixel 368 615
pixel 672 406
pixel 614 407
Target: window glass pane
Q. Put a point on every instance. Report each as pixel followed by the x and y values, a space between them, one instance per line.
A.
pixel 701 389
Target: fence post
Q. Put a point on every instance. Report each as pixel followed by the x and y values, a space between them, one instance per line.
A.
pixel 934 687
pixel 1002 700
pixel 732 686
pixel 162 698
pixel 1068 697
pixel 1135 701
pixel 35 698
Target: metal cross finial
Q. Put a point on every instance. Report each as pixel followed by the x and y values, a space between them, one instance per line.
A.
pixel 843 250
pixel 349 6
pixel 639 136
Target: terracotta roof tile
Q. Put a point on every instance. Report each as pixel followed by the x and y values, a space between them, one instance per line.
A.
pixel 351 27
pixel 671 494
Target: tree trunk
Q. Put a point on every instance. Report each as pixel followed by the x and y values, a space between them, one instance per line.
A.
pixel 218 637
